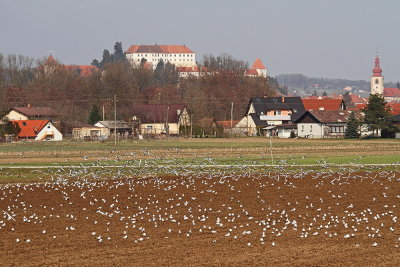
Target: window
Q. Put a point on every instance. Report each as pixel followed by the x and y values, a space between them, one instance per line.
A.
pixel 149 127
pixel 302 128
pixel 310 128
pixel 376 81
pixel 48 127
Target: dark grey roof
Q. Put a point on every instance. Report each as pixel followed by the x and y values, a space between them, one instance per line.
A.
pixel 263 104
pixel 257 120
pixel 396 118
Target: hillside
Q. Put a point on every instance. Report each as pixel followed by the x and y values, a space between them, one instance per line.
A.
pixel 300 84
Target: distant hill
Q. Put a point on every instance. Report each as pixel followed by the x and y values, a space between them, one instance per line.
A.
pixel 300 84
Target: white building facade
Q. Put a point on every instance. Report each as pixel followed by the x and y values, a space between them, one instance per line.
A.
pixel 178 55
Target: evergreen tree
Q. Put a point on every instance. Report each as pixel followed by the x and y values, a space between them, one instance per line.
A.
pixel 347 100
pixel 94 115
pixel 96 63
pixel 377 114
pixel 7 127
pixel 352 126
pixel 107 58
pixel 119 54
pixel 315 93
pixel 324 94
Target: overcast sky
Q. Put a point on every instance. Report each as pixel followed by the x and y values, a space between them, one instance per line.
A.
pixel 318 38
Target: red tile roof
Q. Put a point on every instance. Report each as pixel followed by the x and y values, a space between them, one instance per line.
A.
pixel 36 111
pixel 30 128
pixel 394 92
pixel 258 64
pixel 51 61
pixel 322 104
pixel 83 70
pixel 395 107
pixel 173 49
pixel 358 107
pixel 357 99
pixel 251 72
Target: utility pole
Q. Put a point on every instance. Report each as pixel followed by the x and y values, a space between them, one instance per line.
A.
pixel 104 117
pixel 115 119
pixel 191 125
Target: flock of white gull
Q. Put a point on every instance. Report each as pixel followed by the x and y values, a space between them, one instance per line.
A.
pixel 213 205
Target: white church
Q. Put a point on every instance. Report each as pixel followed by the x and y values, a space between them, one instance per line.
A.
pixel 377 84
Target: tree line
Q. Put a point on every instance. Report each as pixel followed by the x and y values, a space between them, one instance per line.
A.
pixel 24 80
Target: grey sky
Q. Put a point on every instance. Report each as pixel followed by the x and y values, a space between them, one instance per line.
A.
pixel 333 39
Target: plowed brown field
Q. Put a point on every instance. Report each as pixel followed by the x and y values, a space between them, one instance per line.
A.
pixel 304 218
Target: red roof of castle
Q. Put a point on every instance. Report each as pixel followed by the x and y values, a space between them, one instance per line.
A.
pixel 30 128
pixel 258 64
pixel 322 104
pixel 51 61
pixel 158 49
pixel 84 70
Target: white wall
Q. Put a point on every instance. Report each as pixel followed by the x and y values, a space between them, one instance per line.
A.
pixel 49 129
pixel 310 130
pixel 16 116
pixel 179 60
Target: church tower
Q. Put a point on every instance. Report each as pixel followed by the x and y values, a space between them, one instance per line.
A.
pixel 377 86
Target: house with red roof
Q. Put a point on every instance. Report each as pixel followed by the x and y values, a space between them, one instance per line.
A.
pixel 156 119
pixel 51 65
pixel 257 69
pixel 178 55
pixel 324 104
pixel 31 113
pixel 186 72
pixel 38 130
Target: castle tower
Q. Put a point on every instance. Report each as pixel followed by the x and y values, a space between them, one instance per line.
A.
pixel 377 86
pixel 259 67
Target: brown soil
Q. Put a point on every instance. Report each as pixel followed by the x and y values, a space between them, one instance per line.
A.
pixel 204 220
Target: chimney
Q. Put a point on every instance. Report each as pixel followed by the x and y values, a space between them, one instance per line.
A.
pixel 283 99
pixel 29 105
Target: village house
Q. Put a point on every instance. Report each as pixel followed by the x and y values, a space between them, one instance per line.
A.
pixel 156 119
pixel 31 113
pixel 90 133
pixel 325 123
pixel 263 114
pixel 123 128
pixel 38 130
pixel 178 55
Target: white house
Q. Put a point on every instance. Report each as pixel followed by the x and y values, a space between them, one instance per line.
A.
pixel 38 130
pixel 90 133
pixel 325 123
pixel 155 119
pixel 31 113
pixel 178 55
pixel 263 113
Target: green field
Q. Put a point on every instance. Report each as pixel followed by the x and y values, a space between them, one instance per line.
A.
pixel 205 151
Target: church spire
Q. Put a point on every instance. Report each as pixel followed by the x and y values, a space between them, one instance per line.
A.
pixel 377 71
